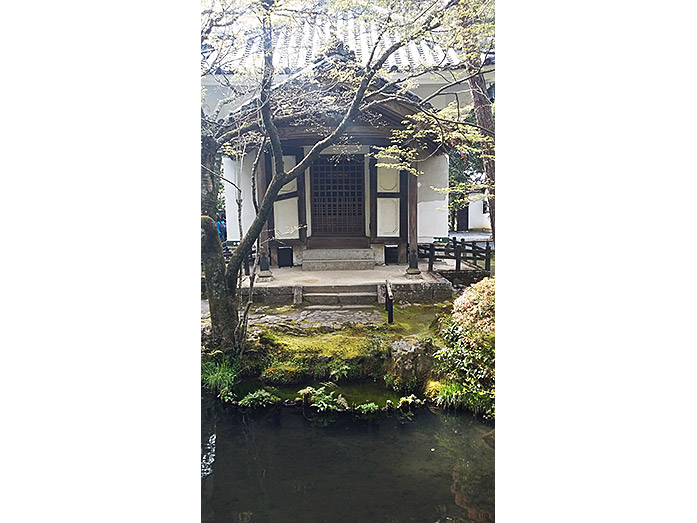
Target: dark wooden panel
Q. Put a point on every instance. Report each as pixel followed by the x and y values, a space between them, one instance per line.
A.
pixel 286 196
pixel 373 178
pixel 337 196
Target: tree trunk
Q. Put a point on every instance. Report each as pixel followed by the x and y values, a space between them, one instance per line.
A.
pixel 210 184
pixel 220 301
pixel 485 119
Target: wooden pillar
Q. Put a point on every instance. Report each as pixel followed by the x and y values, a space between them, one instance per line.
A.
pixel 403 216
pixel 302 209
pixel 412 204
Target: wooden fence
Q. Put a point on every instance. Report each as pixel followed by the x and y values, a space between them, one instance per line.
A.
pixel 460 251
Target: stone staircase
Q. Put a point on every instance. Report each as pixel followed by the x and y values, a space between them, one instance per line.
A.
pixel 340 294
pixel 338 259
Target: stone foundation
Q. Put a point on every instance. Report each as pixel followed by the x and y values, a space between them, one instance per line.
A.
pixel 464 278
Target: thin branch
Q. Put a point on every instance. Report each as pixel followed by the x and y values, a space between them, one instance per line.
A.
pixel 221 177
pixel 456 82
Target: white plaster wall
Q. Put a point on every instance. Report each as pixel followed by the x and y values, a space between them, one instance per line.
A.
pixel 388 217
pixel 238 172
pixel 291 186
pixel 432 208
pixel 477 219
pixel 388 208
pixel 285 215
pixel 430 83
pixel 285 212
pixel 388 178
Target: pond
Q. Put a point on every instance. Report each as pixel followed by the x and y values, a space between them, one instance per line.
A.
pixel 278 467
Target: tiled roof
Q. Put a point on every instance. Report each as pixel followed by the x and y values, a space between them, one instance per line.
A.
pixel 296 47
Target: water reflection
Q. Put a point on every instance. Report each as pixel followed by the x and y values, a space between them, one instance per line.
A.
pixel 208 457
pixel 280 467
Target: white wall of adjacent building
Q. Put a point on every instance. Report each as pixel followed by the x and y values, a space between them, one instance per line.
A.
pixel 477 218
pixel 237 171
pixel 432 209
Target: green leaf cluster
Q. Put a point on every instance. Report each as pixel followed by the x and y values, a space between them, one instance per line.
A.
pixel 259 399
pixel 467 362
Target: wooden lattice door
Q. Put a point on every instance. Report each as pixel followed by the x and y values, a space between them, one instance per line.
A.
pixel 336 189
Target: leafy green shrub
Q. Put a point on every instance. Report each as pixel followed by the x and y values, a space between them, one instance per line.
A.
pixel 345 370
pixel 322 400
pixel 221 375
pixel 458 396
pixel 284 373
pixel 306 394
pixel 259 399
pixel 338 370
pixel 468 361
pixel 475 307
pixel 367 408
pixel 227 395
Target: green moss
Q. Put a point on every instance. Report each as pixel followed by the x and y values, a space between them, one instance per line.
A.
pixel 268 338
pixel 418 320
pixel 284 373
pixel 344 344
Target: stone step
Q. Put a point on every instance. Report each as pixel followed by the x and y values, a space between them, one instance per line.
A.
pixel 340 288
pixel 346 308
pixel 344 298
pixel 338 265
pixel 339 254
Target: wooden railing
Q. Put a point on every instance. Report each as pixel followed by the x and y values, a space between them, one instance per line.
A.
pixel 460 251
pixel 230 246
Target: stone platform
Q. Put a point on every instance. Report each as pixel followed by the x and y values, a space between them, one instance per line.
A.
pixel 346 287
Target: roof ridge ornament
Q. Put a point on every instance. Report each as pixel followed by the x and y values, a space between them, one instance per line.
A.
pixel 335 48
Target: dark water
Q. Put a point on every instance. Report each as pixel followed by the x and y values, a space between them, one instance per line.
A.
pixel 280 467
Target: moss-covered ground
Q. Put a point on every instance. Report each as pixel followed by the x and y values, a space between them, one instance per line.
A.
pixel 282 359
pixel 411 322
pixel 282 356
